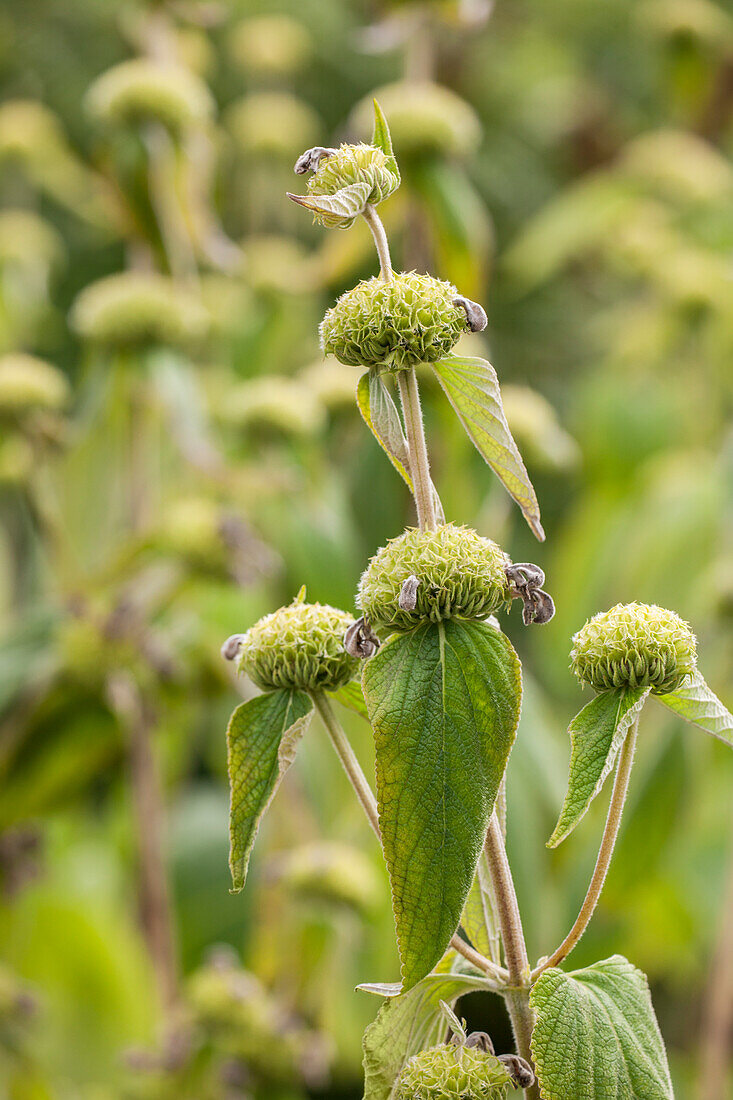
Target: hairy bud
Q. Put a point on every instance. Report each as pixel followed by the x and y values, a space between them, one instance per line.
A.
pixel 453 1072
pixel 434 575
pixel 135 308
pixel 344 181
pixel 299 646
pixel 141 90
pixel 634 645
pixel 412 319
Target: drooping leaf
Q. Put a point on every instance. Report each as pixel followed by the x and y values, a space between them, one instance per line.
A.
pixel 406 1024
pixel 381 416
pixel 478 921
pixel 352 697
pixel 338 209
pixel 473 390
pixel 696 703
pixel 444 705
pixel 596 1035
pixel 596 736
pixel 382 138
pixel 262 738
pixel 383 420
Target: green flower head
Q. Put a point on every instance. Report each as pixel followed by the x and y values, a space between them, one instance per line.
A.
pixel 344 181
pixel 28 383
pixel 411 319
pixel 135 308
pixel 141 90
pixel 434 575
pixel 298 646
pixel 635 645
pixel 453 1072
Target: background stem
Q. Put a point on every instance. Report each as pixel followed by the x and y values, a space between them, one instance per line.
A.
pixel 717 1028
pixel 419 462
pixel 608 843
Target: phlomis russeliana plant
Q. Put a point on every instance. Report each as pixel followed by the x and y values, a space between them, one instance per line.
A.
pixel 427 664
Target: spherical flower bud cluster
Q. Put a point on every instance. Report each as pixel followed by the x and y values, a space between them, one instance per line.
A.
pixel 299 646
pixel 142 90
pixel 270 44
pixel 634 645
pixel 458 574
pixel 138 308
pixel 272 124
pixel 411 319
pixel 425 119
pixel 28 383
pixel 451 1072
pixel 350 164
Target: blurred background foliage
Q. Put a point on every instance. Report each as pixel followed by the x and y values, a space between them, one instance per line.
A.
pixel 176 459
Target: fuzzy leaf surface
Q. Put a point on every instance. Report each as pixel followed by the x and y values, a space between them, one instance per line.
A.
pixel 472 388
pixel 262 737
pixel 596 1035
pixel 444 705
pixel 696 703
pixel 342 207
pixel 407 1024
pixel 596 736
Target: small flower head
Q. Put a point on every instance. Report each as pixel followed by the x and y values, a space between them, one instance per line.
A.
pixel 274 403
pixel 298 646
pixel 434 575
pixel 28 383
pixel 425 119
pixel 272 124
pixel 330 872
pixel 274 45
pixel 412 319
pixel 453 1072
pixel 634 645
pixel 135 308
pixel 354 164
pixel 142 90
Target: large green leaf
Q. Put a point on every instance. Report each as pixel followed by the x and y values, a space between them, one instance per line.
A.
pixel 407 1024
pixel 695 702
pixel 596 1035
pixel 262 738
pixel 472 388
pixel 596 735
pixel 444 705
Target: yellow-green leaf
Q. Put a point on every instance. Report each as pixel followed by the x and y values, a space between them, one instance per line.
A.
pixel 696 703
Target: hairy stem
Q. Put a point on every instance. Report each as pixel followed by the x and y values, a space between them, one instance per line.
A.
pixel 419 462
pixel 515 949
pixel 364 793
pixel 605 853
pixel 373 220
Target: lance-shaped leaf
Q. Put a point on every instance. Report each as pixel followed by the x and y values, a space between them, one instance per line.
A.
pixel 262 737
pixel 472 388
pixel 596 736
pixel 407 1024
pixel 444 705
pixel 382 139
pixel 596 1035
pixel 695 702
pixel 381 416
pixel 339 209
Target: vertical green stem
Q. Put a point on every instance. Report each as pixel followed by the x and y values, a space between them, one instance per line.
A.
pixel 608 843
pixel 515 949
pixel 373 220
pixel 419 462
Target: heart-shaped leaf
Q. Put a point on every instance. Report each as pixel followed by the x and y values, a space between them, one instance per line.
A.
pixel 695 702
pixel 472 388
pixel 382 138
pixel 262 737
pixel 596 1035
pixel 407 1024
pixel 596 735
pixel 338 209
pixel 444 705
